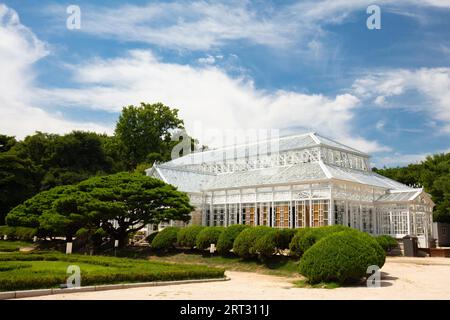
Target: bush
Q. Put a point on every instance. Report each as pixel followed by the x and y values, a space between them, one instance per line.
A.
pixel 266 246
pixel 283 238
pixel 23 271
pixel 244 244
pixel 294 246
pixel 386 242
pixel 273 241
pixel 18 233
pixel 151 236
pixel 307 237
pixel 165 239
pixel 207 236
pixel 227 237
pixel 187 237
pixel 342 257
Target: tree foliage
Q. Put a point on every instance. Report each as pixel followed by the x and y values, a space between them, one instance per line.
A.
pixel 117 204
pixel 17 182
pixel 145 132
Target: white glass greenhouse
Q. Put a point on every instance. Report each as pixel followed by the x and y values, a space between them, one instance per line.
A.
pixel 295 182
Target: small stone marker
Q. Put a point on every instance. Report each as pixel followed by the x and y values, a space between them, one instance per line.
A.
pixel 116 243
pixel 34 238
pixel 5 237
pixel 212 248
pixel 69 248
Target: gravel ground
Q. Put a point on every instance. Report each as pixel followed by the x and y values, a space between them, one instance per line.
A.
pixel 402 278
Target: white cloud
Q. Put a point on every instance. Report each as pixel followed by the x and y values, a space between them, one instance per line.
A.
pixel 19 49
pixel 208 95
pixel 203 25
pixel 207 60
pixel 432 84
pixel 398 159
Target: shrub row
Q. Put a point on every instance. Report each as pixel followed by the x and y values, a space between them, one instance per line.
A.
pixel 94 269
pixel 264 242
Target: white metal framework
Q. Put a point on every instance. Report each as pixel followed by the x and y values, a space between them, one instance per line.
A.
pixel 310 181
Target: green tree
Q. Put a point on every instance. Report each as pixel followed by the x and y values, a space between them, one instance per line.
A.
pixel 116 205
pixel 67 159
pixel 17 182
pixel 145 132
pixel 6 142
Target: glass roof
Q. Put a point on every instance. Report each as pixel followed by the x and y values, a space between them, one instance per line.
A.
pixel 399 196
pixel 192 181
pixel 281 144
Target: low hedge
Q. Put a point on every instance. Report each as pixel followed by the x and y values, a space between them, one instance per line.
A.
pixel 244 244
pixel 187 237
pixel 207 236
pixel 342 257
pixel 386 242
pixel 165 239
pixel 307 237
pixel 18 233
pixel 227 237
pixel 28 271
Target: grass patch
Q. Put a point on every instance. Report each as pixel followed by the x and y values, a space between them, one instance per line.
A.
pixel 322 285
pixel 278 265
pixel 11 246
pixel 22 271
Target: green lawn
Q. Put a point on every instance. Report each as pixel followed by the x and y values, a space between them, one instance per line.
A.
pixel 20 271
pixel 10 246
pixel 280 266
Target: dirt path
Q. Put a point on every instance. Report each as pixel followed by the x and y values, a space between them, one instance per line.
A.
pixel 402 278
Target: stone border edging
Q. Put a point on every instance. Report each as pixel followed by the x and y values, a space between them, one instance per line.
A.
pixel 45 292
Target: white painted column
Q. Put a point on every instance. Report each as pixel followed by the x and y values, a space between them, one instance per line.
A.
pixel 290 211
pixel 331 213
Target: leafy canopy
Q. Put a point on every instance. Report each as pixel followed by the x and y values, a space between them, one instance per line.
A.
pixel 131 200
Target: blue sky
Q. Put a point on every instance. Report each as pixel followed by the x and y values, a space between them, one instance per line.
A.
pixel 297 66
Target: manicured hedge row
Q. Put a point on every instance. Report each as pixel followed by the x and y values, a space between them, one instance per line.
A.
pixel 94 270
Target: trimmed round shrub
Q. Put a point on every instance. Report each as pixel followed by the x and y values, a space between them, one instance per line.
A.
pixel 207 236
pixel 187 237
pixel 294 246
pixel 244 244
pixel 266 246
pixel 307 237
pixel 151 236
pixel 165 239
pixel 342 257
pixel 371 240
pixel 283 238
pixel 386 242
pixel 227 237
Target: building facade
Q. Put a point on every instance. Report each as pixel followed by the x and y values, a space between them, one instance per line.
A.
pixel 294 182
